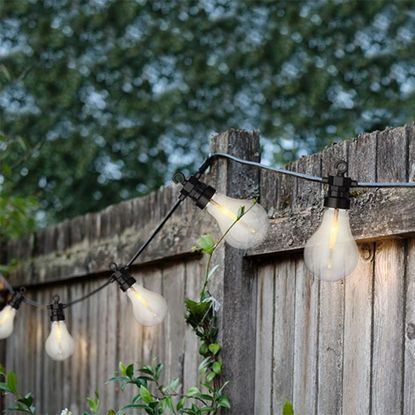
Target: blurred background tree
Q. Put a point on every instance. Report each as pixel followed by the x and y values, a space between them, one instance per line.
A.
pixel 109 97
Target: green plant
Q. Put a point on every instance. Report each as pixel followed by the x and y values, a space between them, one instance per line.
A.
pixel 23 403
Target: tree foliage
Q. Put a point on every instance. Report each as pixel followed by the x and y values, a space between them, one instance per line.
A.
pixel 108 93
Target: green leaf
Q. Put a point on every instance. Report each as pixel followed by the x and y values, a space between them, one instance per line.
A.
pixel 129 371
pixel 217 367
pixel 214 348
pixel 192 391
pixel 224 402
pixel 11 382
pixel 148 370
pixel 206 244
pixel 145 394
pixel 180 404
pixel 287 408
pixel 210 376
pixel 122 368
pixel 241 212
pixel 173 385
pixel 111 412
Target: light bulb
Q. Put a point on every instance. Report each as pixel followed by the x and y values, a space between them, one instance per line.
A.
pixel 251 228
pixel 331 253
pixel 149 308
pixel 59 344
pixel 7 321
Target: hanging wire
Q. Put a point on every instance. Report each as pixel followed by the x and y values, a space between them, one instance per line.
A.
pixel 264 167
pixel 304 176
pixel 90 294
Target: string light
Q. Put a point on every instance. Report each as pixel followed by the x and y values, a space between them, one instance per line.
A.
pixel 59 345
pixel 8 313
pixel 149 308
pixel 248 230
pixel 330 254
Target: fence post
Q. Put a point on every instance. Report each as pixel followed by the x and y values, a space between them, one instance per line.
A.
pixel 235 285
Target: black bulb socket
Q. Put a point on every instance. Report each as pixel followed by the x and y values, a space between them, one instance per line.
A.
pixel 123 278
pixel 338 194
pixel 198 191
pixel 17 299
pixel 56 310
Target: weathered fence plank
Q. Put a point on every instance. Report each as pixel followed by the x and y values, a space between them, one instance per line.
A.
pixel 388 328
pixel 359 297
pixel 409 333
pixel 306 341
pixel 264 340
pixel 283 342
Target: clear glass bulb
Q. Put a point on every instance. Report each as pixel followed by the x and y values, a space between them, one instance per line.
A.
pixel 149 308
pixel 7 321
pixel 59 344
pixel 249 231
pixel 331 254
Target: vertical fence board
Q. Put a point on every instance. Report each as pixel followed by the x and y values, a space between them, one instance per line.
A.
pixel 284 320
pixel 264 340
pixel 409 374
pixel 305 341
pixel 173 288
pixel 388 328
pixel 194 273
pixel 359 297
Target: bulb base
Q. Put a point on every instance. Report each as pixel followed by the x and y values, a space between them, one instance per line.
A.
pixel 123 278
pixel 338 194
pixel 200 192
pixel 56 310
pixel 17 299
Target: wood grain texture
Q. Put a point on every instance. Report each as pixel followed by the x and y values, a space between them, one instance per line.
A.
pixel 264 340
pixel 409 338
pixel 388 328
pixel 305 341
pixel 237 292
pixel 283 337
pixel 359 296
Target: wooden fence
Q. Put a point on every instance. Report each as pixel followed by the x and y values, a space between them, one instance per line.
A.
pixel 332 348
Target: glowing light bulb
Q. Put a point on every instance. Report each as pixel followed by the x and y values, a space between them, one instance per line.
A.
pixel 9 312
pixel 7 321
pixel 332 254
pixel 149 308
pixel 250 230
pixel 59 344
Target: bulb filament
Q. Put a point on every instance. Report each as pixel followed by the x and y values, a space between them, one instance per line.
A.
pixel 231 215
pixel 334 232
pixel 143 301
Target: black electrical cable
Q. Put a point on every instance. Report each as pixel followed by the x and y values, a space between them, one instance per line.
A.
pixel 306 176
pixel 264 167
pixel 156 231
pixel 90 294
